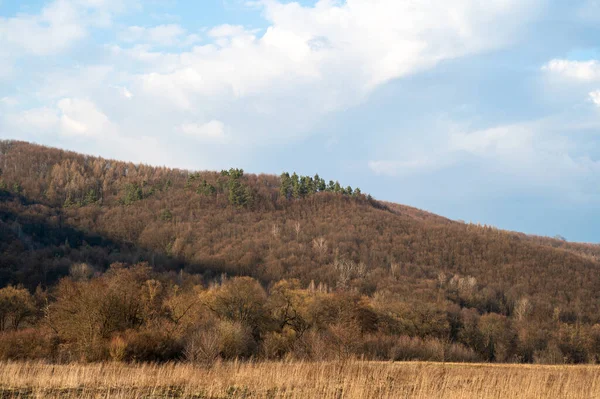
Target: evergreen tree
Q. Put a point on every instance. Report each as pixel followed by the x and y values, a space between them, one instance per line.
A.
pixel 285 189
pixel 320 183
pixel 236 173
pixel 166 215
pixel 236 193
pixel 17 188
pixel 312 185
pixel 90 197
pixel 337 188
pixel 206 189
pixel 295 186
pixel 304 186
pixel 133 193
pixel 239 194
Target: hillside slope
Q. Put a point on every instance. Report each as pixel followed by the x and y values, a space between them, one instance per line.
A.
pixel 60 208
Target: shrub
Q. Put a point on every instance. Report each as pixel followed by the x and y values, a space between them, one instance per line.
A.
pixel 415 348
pixel 28 344
pixel 203 347
pixel 148 346
pixel 235 340
pixel 277 345
pixel 378 346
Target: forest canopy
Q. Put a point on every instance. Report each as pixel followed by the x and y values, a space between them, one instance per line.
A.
pixel 102 259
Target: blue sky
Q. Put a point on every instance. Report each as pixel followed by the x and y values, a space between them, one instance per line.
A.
pixel 484 111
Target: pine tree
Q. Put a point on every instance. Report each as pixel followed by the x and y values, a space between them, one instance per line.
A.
pixel 320 183
pixel 206 189
pixel 90 197
pixel 304 188
pixel 239 194
pixel 133 193
pixel 285 189
pixel 295 186
pixel 337 188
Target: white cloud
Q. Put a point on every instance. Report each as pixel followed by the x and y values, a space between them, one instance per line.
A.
pixel 161 35
pixel 537 155
pixel 227 30
pixel 585 71
pixel 586 75
pixel 213 130
pixel 414 165
pixel 595 97
pixel 312 61
pixel 80 81
pixel 509 141
pixel 34 121
pixel 267 86
pixel 55 29
pixel 124 92
pixel 82 118
pixel 9 101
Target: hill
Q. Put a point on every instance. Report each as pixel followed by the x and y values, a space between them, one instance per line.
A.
pixel 404 280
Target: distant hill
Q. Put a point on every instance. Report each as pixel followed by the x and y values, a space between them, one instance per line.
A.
pixel 58 208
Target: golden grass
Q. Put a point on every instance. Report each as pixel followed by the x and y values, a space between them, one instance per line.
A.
pixel 352 379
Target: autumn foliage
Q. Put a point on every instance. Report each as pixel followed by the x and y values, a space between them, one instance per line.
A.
pixel 101 259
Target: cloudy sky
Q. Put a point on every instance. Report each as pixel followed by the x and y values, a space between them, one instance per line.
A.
pixel 485 111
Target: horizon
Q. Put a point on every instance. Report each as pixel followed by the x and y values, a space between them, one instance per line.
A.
pixel 417 105
pixel 470 222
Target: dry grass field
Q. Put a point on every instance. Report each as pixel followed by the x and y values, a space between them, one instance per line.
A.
pixel 353 379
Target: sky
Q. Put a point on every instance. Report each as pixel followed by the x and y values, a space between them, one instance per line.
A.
pixel 482 111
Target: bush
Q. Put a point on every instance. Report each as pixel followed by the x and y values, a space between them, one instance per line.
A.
pixel 28 344
pixel 312 346
pixel 203 347
pixel 378 346
pixel 235 340
pixel 146 346
pixel 276 345
pixel 550 355
pixel 408 348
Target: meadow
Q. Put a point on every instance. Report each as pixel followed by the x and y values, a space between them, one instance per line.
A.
pixel 349 379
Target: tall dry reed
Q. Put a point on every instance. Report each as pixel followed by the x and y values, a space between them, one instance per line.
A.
pixel 352 379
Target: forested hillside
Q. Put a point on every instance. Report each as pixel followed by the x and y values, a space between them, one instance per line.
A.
pixel 174 264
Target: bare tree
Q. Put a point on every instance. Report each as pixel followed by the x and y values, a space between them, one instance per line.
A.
pixel 523 308
pixel 297 229
pixel 320 246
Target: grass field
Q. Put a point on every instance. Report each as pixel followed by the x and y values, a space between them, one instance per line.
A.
pixel 353 379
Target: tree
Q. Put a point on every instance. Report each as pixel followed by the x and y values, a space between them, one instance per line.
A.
pixel 320 183
pixel 16 306
pixel 87 312
pixel 133 193
pixel 305 186
pixel 240 299
pixel 239 195
pixel 285 188
pixel 296 192
pixel 206 189
pixel 287 306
